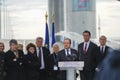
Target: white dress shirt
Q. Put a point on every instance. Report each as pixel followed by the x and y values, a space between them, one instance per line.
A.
pixel 69 51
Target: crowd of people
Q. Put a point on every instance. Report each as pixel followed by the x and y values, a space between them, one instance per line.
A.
pixel 40 64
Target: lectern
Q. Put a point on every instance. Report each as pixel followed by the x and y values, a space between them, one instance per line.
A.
pixel 71 67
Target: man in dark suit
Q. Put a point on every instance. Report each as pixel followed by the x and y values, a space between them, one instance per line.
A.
pixel 67 54
pixel 87 52
pixel 14 62
pixel 43 54
pixel 103 49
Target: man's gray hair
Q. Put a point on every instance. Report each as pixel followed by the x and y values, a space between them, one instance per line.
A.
pixel 13 41
pixel 39 38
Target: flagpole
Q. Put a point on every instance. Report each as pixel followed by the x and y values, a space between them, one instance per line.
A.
pixel 53 17
pixel 46 32
pixel 53 30
pixel 46 17
pixel 99 26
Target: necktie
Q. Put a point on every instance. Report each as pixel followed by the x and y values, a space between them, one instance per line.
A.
pixel 55 56
pixel 69 57
pixel 67 52
pixel 40 54
pixel 102 51
pixel 55 59
pixel 85 48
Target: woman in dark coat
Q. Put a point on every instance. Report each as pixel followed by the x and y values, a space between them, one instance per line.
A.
pixel 32 63
pixel 53 63
pixel 2 64
pixel 14 62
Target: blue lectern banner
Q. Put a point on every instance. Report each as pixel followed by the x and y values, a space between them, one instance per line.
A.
pixel 82 5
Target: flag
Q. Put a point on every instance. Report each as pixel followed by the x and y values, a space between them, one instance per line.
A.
pixel 47 36
pixel 53 33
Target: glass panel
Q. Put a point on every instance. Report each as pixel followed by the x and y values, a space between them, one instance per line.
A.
pixel 23 19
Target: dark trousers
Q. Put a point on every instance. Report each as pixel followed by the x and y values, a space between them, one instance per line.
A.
pixel 87 75
pixel 1 77
pixel 62 75
pixel 53 75
pixel 43 74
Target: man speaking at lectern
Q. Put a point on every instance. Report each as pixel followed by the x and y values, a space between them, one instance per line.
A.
pixel 67 54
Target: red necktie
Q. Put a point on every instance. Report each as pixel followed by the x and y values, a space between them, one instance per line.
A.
pixel 85 48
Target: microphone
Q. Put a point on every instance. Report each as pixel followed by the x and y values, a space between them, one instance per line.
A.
pixel 74 57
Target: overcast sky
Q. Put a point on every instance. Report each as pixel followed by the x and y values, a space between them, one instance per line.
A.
pixel 27 17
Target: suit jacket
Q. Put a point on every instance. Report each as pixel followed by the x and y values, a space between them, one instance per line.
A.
pixel 89 57
pixel 46 54
pixel 44 72
pixel 14 68
pixel 101 56
pixel 63 57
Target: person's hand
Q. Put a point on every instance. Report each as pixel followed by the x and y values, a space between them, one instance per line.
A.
pixel 97 69
pixel 14 59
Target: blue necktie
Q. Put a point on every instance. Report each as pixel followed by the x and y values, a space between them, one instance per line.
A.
pixel 102 51
pixel 67 52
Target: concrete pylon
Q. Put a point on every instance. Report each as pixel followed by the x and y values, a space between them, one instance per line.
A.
pixel 56 7
pixel 73 15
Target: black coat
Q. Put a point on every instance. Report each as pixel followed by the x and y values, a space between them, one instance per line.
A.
pixel 53 61
pixel 101 56
pixel 46 54
pixel 44 72
pixel 89 58
pixel 32 67
pixel 2 66
pixel 14 67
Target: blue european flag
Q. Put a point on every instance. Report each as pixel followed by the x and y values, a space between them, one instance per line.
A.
pixel 53 34
pixel 47 36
